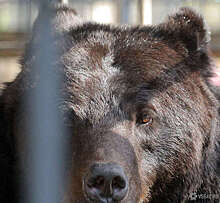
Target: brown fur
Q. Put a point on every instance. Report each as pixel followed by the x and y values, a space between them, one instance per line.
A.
pixel 113 75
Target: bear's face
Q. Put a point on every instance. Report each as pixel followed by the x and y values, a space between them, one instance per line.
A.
pixel 138 99
pixel 138 108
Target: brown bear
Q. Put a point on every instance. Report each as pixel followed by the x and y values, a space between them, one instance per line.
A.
pixel 142 114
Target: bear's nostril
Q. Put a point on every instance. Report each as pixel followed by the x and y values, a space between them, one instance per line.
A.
pixel 118 183
pixel 97 182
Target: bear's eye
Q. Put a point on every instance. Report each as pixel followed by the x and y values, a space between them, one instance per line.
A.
pixel 145 119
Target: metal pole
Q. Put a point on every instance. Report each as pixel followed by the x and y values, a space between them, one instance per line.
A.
pixel 124 10
pixel 45 182
pixel 29 15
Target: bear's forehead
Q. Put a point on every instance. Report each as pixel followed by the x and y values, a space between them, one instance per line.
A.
pixel 103 69
pixel 100 56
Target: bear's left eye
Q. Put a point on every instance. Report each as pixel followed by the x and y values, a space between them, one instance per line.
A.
pixel 145 119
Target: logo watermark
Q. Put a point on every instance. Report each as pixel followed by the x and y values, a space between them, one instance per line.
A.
pixel 196 196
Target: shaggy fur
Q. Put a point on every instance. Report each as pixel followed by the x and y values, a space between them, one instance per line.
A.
pixel 113 78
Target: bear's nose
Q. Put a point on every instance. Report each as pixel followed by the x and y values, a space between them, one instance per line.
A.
pixel 106 183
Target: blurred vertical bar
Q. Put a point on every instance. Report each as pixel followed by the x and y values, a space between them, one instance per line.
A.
pixel 29 15
pixel 140 11
pixel 45 165
pixel 147 12
pixel 64 1
pixel 124 10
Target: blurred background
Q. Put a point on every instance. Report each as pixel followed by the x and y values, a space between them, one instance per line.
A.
pixel 17 17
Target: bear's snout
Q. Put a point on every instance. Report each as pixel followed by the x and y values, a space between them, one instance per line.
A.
pixel 105 182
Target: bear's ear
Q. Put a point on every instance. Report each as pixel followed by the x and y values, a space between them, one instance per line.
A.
pixel 65 18
pixel 188 27
pixel 58 17
pixel 52 22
